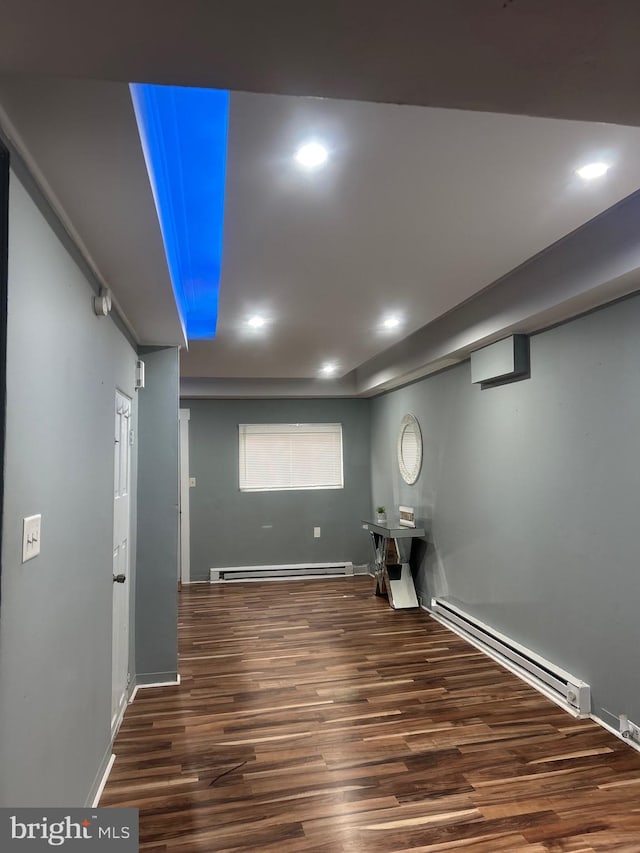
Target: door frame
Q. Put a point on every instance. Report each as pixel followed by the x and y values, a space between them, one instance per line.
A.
pixel 184 563
pixel 118 713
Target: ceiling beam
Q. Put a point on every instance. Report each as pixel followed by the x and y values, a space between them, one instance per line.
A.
pixel 574 59
pixel 596 264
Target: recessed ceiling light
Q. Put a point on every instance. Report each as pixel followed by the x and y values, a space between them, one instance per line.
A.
pixel 592 170
pixel 328 369
pixel 256 322
pixel 311 155
pixel 391 322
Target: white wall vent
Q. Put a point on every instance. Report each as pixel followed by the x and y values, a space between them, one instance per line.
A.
pixel 565 689
pixel 504 361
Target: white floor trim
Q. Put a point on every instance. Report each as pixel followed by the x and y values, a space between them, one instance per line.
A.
pixel 154 684
pixel 103 782
pixel 121 712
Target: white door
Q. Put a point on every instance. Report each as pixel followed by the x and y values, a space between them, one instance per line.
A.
pixel 121 534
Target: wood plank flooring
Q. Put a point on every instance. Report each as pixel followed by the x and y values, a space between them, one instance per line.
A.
pixel 312 717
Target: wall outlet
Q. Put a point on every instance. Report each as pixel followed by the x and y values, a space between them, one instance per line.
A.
pixel 316 532
pixel 629 730
pixel 634 732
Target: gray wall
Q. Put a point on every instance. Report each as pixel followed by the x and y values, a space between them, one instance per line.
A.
pixel 4 249
pixel 530 491
pixel 157 554
pixel 233 528
pixel 63 367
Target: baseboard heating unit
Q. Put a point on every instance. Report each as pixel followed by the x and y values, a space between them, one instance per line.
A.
pixel 288 572
pixel 563 688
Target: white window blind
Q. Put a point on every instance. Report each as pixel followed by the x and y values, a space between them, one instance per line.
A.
pixel 276 457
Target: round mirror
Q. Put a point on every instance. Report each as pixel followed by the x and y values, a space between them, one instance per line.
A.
pixel 409 449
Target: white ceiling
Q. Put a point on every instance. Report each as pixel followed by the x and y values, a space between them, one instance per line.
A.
pixel 418 209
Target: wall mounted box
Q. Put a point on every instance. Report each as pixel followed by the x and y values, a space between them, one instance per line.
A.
pixel 139 378
pixel 500 362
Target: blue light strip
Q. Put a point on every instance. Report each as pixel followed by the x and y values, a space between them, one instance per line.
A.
pixel 184 139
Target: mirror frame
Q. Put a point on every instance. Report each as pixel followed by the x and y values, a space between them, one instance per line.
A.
pixel 409 475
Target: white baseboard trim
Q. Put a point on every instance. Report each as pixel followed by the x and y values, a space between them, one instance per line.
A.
pixel 173 683
pixel 115 728
pixel 101 781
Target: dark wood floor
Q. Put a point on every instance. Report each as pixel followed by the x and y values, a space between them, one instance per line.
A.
pixel 312 717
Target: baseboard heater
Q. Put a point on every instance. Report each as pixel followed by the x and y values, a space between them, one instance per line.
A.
pixel 554 682
pixel 293 570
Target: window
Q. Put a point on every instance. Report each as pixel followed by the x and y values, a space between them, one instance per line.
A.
pixel 277 457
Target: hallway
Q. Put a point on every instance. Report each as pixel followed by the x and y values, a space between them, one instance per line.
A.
pixel 312 717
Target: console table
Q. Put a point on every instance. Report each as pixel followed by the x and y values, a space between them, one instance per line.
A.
pixel 392 550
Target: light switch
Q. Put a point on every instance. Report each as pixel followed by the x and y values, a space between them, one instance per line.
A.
pixel 192 482
pixel 31 537
pixel 316 532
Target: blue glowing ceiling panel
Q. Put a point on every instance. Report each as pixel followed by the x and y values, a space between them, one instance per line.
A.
pixel 184 138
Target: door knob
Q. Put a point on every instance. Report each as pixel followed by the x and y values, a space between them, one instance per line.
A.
pixel 119 578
